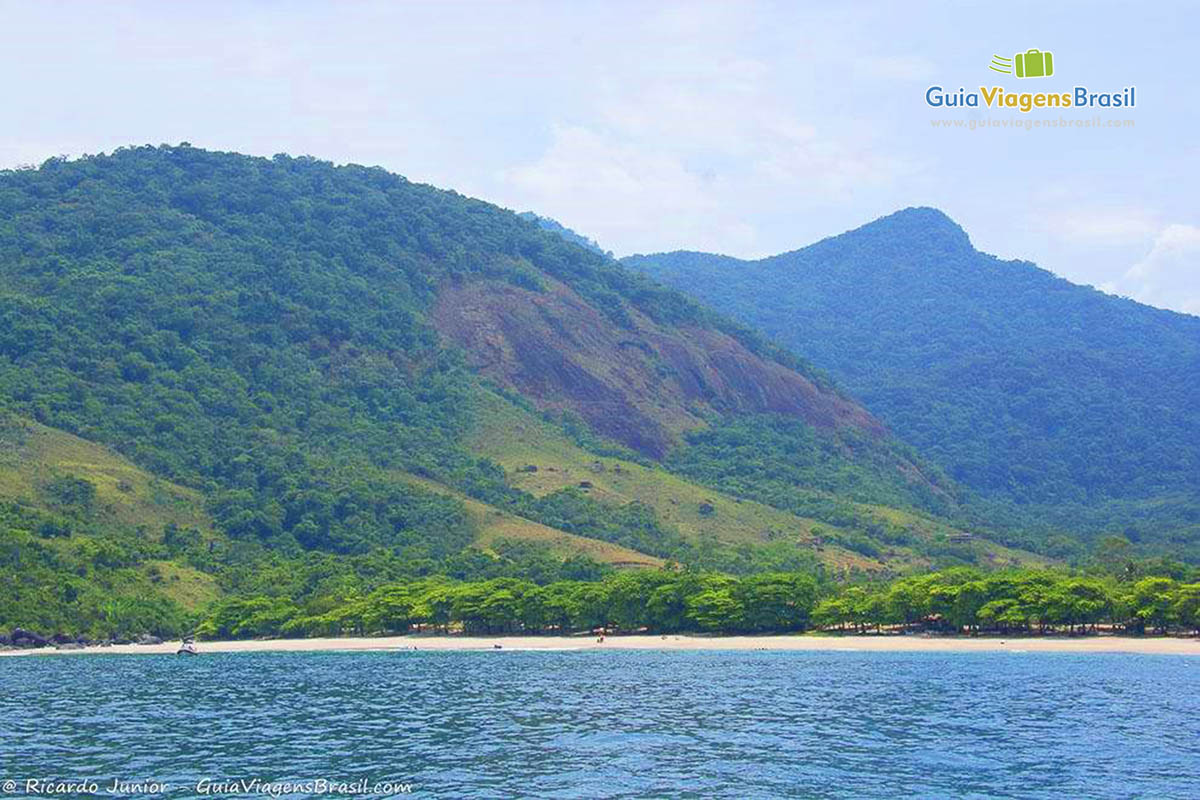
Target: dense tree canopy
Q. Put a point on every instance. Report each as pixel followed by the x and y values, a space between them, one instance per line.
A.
pixel 961 600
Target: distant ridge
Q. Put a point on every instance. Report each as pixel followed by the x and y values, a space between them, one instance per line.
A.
pixel 554 226
pixel 1072 407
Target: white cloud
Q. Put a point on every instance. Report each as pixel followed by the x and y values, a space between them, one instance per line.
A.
pixel 1104 226
pixel 693 149
pixel 1169 275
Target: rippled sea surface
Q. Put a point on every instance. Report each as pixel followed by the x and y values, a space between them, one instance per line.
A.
pixel 615 724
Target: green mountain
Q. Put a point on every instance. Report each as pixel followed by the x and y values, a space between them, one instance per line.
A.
pixel 1061 407
pixel 315 358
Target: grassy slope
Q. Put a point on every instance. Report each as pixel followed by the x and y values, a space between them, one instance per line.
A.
pixel 129 497
pixel 125 494
pixel 517 439
pixel 495 524
pixel 126 498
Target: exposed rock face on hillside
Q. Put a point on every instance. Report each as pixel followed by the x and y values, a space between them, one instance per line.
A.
pixel 641 386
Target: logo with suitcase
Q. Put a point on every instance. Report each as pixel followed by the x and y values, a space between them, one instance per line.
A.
pixel 1030 64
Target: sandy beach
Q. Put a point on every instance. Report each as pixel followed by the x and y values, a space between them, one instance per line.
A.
pixel 893 644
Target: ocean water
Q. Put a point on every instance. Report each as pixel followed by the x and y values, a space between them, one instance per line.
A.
pixel 605 724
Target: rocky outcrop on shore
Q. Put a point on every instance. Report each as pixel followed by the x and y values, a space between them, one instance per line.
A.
pixel 22 639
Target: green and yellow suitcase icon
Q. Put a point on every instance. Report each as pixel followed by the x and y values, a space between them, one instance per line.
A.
pixel 1034 64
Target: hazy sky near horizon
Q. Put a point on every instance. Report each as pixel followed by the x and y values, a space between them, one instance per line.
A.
pixel 740 128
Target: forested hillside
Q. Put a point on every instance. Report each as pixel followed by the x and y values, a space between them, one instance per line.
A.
pixel 1065 409
pixel 308 352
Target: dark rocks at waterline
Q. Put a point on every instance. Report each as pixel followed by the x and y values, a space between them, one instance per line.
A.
pixel 23 638
pixel 20 638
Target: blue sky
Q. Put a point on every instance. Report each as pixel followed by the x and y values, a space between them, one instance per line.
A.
pixel 740 128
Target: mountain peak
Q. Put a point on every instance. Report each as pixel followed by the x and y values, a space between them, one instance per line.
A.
pixel 926 214
pixel 920 226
